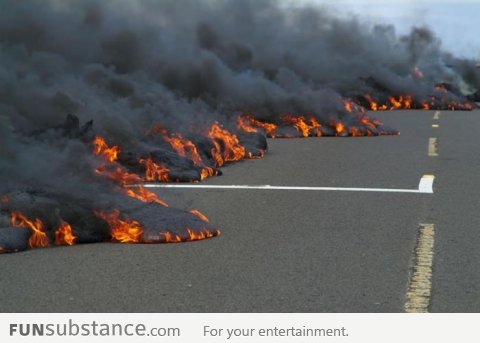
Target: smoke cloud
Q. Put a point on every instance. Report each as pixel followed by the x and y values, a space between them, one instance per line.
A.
pixel 119 67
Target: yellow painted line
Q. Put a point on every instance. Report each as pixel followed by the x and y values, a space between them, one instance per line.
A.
pixel 432 147
pixel 420 287
pixel 436 115
pixel 435 126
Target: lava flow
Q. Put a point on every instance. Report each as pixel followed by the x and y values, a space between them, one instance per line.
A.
pixel 39 238
pixel 406 102
pixel 310 127
pixel 184 148
pixel 119 175
pixel 122 230
pixel 200 215
pixel 227 147
pixel 64 235
pixel 153 171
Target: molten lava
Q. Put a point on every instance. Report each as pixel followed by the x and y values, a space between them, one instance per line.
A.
pixel 64 235
pixel 307 127
pixel 232 149
pixel 154 171
pixel 184 147
pixel 39 238
pixel 202 234
pixel 199 215
pixel 339 128
pixel 247 123
pixel 122 230
pixel 119 175
pixel 403 102
pixel 102 149
pixel 144 195
pixel 407 102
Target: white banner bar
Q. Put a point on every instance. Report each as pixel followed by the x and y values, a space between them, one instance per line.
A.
pixel 241 328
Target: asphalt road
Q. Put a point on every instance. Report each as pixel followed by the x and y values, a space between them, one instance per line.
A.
pixel 291 251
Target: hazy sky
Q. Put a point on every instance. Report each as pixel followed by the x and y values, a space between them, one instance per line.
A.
pixel 457 23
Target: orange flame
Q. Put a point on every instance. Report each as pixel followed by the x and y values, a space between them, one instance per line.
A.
pixel 203 234
pixel 200 215
pixel 63 235
pixel 154 171
pixel 247 123
pixel 232 150
pixel 119 175
pixel 142 194
pixel 354 132
pixel 425 105
pixel 404 102
pixel 243 124
pixel 122 230
pixel 184 147
pixel 339 128
pixel 374 106
pixel 301 125
pixel 347 104
pixel 39 238
pixel 207 172
pixel 170 238
pixel 102 149
pixel 192 235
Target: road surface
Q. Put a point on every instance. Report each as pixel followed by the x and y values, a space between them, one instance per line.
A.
pixel 296 250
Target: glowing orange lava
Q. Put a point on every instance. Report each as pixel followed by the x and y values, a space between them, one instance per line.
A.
pixel 307 127
pixel 232 149
pixel 154 171
pixel 64 235
pixel 39 238
pixel 102 149
pixel 247 123
pixel 122 230
pixel 184 147
pixel 142 194
pixel 200 215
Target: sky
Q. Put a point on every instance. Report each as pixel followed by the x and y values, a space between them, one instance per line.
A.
pixel 457 23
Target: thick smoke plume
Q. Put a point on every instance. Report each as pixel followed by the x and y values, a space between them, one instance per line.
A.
pixel 120 67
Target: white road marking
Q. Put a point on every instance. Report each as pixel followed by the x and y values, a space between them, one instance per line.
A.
pixel 435 126
pixel 436 116
pixel 420 285
pixel 432 147
pixel 425 186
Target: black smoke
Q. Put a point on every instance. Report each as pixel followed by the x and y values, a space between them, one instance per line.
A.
pixel 120 67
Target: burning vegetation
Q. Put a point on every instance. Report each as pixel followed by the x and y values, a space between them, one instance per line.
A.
pixel 176 103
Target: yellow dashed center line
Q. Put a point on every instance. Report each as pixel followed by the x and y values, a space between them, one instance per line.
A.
pixel 420 286
pixel 432 147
